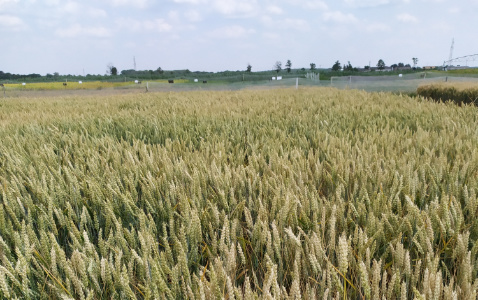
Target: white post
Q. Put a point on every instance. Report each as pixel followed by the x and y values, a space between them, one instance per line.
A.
pixel 297 83
pixel 147 86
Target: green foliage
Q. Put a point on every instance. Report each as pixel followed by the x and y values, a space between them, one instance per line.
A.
pixel 380 64
pixel 349 68
pixel 469 71
pixel 288 65
pixel 278 66
pixel 336 66
pixel 415 61
pixel 309 193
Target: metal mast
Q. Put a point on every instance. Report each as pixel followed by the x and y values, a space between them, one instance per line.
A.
pixel 451 49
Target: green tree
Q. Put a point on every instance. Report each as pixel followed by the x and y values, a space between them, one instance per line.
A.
pixel 415 61
pixel 111 70
pixel 348 67
pixel 278 66
pixel 336 66
pixel 288 66
pixel 249 68
pixel 381 64
pixel 312 66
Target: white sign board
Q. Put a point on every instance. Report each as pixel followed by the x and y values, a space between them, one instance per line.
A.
pixel 273 78
pixel 136 81
pixel 279 77
pixel 24 83
pixel 195 80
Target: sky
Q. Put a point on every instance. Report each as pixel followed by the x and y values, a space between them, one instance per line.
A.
pixel 83 37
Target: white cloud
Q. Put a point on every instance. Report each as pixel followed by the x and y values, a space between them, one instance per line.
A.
pixel 377 27
pixel 366 3
pixel 4 4
pixel 275 10
pixel 287 23
pixel 77 9
pixel 315 4
pixel 11 23
pixel 173 15
pixel 128 24
pixel 52 2
pixel 297 24
pixel 81 31
pixel 231 32
pixel 96 13
pixel 272 36
pixel 71 7
pixel 136 3
pixel 339 17
pixel 190 1
pixel 236 8
pixel 159 25
pixel 134 25
pixel 407 18
pixel 193 16
pixel 454 10
pixel 309 4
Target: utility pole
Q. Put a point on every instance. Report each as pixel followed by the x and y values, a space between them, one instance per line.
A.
pixel 134 62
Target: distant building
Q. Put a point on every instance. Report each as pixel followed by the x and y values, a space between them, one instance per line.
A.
pixel 385 69
pixel 457 67
pixel 429 68
pixel 364 69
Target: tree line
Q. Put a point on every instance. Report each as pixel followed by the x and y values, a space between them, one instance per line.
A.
pixel 113 73
pixel 10 76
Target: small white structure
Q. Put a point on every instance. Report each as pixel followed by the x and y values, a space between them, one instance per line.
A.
pixel 273 78
pixel 24 83
pixel 195 80
pixel 400 75
pixel 136 81
pixel 279 77
pixel 80 82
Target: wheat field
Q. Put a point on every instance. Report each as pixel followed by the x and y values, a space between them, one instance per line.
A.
pixel 457 92
pixel 314 193
pixel 76 85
